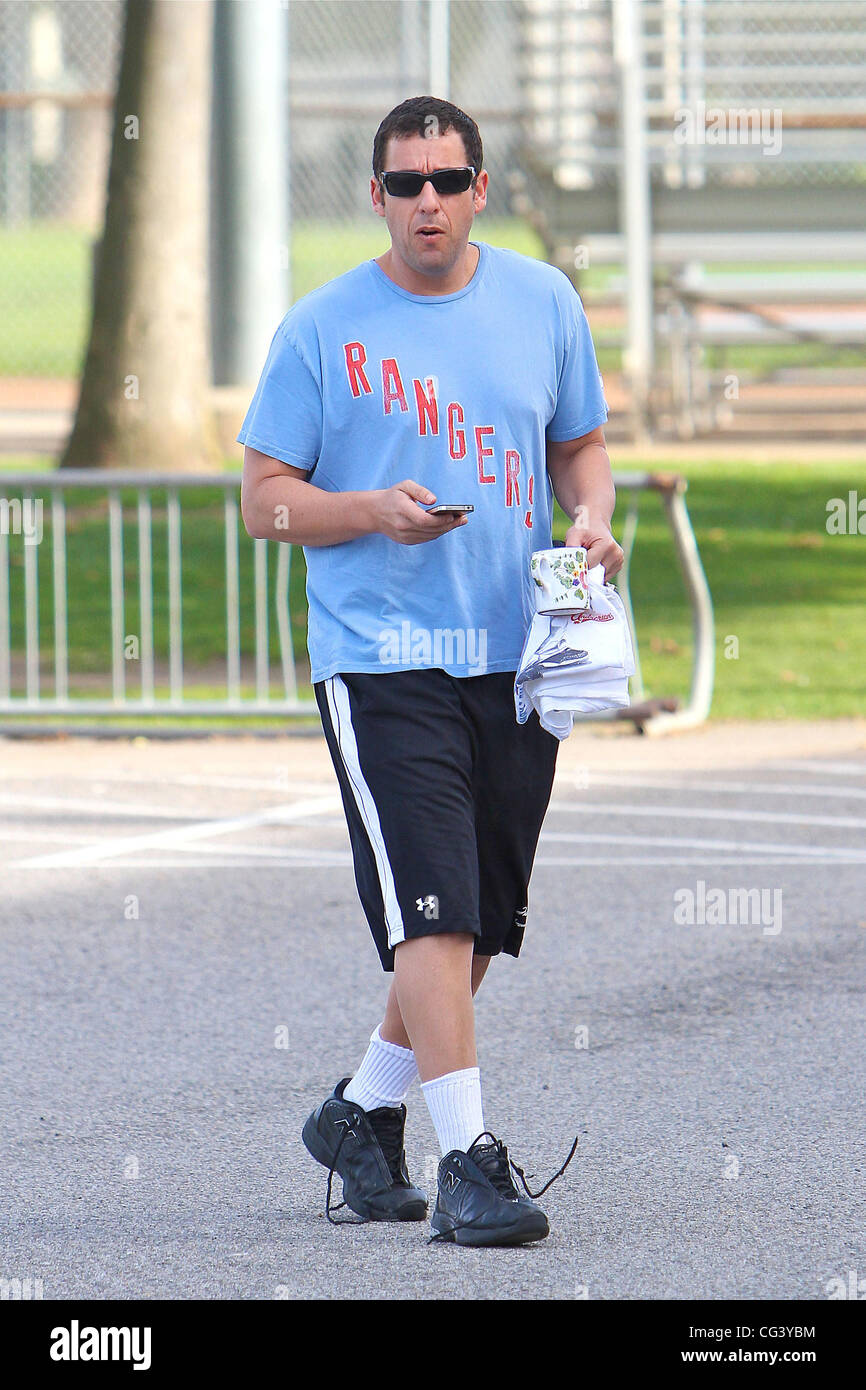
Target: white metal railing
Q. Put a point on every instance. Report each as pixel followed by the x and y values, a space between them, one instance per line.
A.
pixel 660 715
pixel 151 700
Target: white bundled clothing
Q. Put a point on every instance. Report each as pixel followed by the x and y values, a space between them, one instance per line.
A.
pixel 576 663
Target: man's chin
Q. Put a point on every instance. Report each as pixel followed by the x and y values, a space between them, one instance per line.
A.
pixel 434 247
pixel 433 260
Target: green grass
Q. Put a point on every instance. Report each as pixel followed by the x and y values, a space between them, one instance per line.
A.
pixel 202 571
pixel 322 250
pixel 45 291
pixel 45 282
pixel 792 595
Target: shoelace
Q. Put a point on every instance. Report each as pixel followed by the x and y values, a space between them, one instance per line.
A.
pixel 500 1178
pixel 495 1164
pixel 388 1129
pixel 346 1221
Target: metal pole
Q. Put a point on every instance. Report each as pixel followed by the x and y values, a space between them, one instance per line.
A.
pixel 145 593
pixel 252 252
pixel 5 632
pixel 703 622
pixel 115 541
pixel 672 60
pixel 695 88
pixel 411 48
pixel 233 602
pixel 175 598
pixel 61 646
pixel 635 210
pixel 440 58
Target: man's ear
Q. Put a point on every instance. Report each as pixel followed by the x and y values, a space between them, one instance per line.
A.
pixel 377 196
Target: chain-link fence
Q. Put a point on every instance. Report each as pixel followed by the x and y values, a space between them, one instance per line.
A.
pixel 53 164
pixel 540 76
pixel 350 64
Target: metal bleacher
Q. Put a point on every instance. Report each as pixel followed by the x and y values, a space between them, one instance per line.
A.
pixel 746 124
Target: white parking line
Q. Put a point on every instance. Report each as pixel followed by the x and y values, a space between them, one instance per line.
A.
pixel 98 806
pixel 39 836
pixel 108 849
pixel 726 846
pixel 145 865
pixel 187 779
pixel 714 813
pixel 593 861
pixel 834 769
pixel 589 780
pixel 281 852
pixel 661 861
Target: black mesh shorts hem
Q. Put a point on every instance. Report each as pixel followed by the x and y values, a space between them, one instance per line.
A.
pixel 444 795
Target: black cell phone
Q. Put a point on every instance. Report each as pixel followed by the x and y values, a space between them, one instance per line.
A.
pixel 450 508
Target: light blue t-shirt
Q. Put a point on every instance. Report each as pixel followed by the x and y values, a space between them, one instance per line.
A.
pixel 366 384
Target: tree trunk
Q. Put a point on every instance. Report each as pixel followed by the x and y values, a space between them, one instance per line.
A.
pixel 145 392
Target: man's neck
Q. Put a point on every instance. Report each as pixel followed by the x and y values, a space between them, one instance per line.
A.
pixel 457 280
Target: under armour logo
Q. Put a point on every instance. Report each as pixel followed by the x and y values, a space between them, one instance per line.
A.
pixel 429 906
pixel 451 1180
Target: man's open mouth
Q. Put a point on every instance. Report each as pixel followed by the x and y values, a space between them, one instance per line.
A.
pixel 430 232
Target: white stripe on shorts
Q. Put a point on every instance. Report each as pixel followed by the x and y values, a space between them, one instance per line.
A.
pixel 341 718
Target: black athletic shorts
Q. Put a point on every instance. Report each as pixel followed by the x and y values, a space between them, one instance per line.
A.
pixel 444 794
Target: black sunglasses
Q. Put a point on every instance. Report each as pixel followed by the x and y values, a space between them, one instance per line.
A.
pixel 406 183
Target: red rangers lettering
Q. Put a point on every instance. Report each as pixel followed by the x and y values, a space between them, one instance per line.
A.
pixel 456 437
pixel 483 452
pixel 428 406
pixel 427 414
pixel 392 385
pixel 512 486
pixel 356 355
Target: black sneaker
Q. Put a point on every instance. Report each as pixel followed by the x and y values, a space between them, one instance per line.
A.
pixel 366 1149
pixel 478 1202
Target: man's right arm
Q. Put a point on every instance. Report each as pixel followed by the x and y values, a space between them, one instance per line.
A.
pixel 279 504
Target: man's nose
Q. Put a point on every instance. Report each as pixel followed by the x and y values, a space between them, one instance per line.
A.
pixel 428 198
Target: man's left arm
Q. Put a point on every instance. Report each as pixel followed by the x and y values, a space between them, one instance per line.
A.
pixel 582 484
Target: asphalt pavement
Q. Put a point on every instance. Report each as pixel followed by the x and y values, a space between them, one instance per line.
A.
pixel 185 972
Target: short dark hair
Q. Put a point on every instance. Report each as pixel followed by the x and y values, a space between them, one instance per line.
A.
pixel 420 116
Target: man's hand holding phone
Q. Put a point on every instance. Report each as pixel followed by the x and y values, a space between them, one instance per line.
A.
pixel 408 513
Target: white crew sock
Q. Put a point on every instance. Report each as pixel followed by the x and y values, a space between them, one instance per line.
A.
pixel 384 1076
pixel 454 1102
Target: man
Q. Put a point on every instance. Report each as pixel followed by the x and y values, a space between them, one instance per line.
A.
pixel 442 371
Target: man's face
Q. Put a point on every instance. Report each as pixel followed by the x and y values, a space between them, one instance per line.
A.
pixel 429 233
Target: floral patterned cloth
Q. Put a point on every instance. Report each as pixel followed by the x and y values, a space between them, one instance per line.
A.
pixel 577 664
